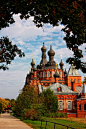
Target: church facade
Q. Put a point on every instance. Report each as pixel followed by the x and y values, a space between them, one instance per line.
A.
pixel 66 85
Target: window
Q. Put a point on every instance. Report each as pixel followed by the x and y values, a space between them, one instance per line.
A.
pixel 77 80
pixel 69 105
pixel 79 106
pixel 60 89
pixel 85 106
pixel 60 105
pixel 44 74
pixel 41 74
pixel 70 80
pixel 61 74
pixel 53 74
pixel 48 73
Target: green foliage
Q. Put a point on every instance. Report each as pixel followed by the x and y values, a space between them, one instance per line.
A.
pixel 25 100
pixel 8 52
pixel 71 13
pixel 49 101
pixel 29 105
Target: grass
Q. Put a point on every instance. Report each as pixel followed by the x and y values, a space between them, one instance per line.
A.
pixel 37 124
pixel 67 122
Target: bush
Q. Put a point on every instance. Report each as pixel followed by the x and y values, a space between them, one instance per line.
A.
pixel 30 114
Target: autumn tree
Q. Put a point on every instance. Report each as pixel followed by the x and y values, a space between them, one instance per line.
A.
pixel 4 103
pixel 70 13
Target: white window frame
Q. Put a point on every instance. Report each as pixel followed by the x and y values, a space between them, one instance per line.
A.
pixel 60 102
pixel 69 105
pixel 53 74
pixel 48 73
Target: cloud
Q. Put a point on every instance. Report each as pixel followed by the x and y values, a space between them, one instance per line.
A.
pixel 30 39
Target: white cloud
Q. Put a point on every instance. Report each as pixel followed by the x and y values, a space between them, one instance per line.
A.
pixel 30 39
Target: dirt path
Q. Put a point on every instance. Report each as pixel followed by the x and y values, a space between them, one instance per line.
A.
pixel 9 122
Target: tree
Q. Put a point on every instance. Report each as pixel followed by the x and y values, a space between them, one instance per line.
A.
pixel 4 103
pixel 8 52
pixel 70 13
pixel 26 98
pixel 49 101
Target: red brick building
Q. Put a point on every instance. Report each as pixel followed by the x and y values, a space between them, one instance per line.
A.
pixel 66 85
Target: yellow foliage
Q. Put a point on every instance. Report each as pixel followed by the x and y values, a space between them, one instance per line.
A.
pixel 4 103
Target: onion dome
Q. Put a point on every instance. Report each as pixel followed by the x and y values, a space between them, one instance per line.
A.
pixel 34 69
pixel 28 75
pixel 65 72
pixel 31 72
pixel 56 75
pixel 32 64
pixel 43 48
pixel 61 64
pixel 51 52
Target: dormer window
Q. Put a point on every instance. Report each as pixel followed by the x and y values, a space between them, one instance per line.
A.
pixel 60 89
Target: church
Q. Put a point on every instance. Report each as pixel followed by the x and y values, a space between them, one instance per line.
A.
pixel 66 85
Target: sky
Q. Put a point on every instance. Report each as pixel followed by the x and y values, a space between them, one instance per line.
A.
pixel 29 39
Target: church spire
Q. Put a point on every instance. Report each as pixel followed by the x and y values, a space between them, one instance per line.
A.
pixel 51 63
pixel 32 63
pixel 51 54
pixel 43 60
pixel 61 63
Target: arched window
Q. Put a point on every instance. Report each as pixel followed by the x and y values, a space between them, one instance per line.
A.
pixel 41 75
pixel 44 74
pixel 70 80
pixel 77 80
pixel 85 106
pixel 60 89
pixel 48 73
pixel 61 74
pixel 53 74
pixel 60 105
pixel 69 105
pixel 79 106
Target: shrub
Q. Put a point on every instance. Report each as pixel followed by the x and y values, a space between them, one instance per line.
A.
pixel 49 101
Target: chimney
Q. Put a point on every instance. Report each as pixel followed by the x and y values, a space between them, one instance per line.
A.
pixel 73 86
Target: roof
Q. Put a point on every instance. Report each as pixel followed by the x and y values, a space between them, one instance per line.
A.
pixel 65 89
pixel 72 71
pixel 78 89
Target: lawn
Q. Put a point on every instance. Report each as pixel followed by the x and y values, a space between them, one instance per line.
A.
pixel 67 122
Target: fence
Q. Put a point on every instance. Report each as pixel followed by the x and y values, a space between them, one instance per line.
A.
pixel 55 124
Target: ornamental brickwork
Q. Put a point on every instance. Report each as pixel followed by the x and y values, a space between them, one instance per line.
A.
pixel 66 85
